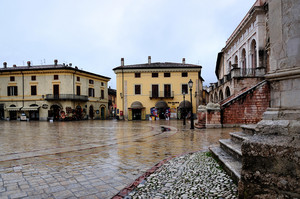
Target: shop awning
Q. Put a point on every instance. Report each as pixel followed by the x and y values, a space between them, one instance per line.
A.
pixel 161 104
pixel 31 108
pixel 136 105
pixel 185 104
pixel 13 108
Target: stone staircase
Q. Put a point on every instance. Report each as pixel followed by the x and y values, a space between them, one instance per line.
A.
pixel 229 152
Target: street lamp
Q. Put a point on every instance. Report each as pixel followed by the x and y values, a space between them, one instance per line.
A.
pixel 190 83
pixel 183 112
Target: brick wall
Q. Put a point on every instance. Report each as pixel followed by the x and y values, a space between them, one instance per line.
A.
pixel 201 119
pixel 249 108
pixel 233 96
pixel 213 117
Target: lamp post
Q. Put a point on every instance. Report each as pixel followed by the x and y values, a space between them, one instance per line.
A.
pixel 190 83
pixel 183 112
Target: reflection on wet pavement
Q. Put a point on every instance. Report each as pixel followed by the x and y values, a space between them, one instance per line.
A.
pixel 89 158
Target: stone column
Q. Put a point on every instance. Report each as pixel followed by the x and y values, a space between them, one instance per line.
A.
pixel 271 158
pixel 283 117
pixel 213 116
pixel 201 116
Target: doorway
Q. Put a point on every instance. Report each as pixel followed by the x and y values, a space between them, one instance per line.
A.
pixel 91 112
pixel 12 115
pixel 1 111
pixel 136 114
pixel 54 112
pixel 102 113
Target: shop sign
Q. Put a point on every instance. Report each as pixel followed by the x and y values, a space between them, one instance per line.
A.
pixel 45 106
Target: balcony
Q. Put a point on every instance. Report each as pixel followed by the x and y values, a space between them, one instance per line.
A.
pixel 161 94
pixel 248 72
pixel 71 97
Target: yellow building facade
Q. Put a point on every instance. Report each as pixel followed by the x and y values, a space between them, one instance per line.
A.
pixel 47 92
pixel 156 90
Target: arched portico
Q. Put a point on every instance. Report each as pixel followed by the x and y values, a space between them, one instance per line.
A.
pixel 136 111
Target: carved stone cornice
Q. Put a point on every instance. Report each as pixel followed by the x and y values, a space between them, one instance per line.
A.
pixel 284 74
pixel 150 70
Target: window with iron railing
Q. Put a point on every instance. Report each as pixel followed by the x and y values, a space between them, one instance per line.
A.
pixel 167 90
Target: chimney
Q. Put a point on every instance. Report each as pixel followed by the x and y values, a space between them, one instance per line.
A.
pixel 183 60
pixel 28 63
pixel 14 65
pixel 55 62
pixel 149 59
pixel 122 61
pixel 4 65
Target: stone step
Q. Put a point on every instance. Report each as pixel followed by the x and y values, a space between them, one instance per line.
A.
pixel 249 129
pixel 231 148
pixel 231 165
pixel 239 137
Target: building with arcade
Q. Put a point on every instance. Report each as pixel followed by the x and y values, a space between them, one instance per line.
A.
pixel 52 92
pixel 157 90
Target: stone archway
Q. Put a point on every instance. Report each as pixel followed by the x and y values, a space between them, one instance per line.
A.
pixel 253 54
pixel 221 97
pixel 54 111
pixel 227 92
pixel 216 98
pixel 102 112
pixel 244 62
pixel 91 112
pixel 161 107
pixel 12 113
pixel 136 111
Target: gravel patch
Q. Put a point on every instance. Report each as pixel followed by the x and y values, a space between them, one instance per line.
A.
pixel 195 175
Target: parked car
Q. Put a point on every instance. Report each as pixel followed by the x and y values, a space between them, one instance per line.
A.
pixel 23 117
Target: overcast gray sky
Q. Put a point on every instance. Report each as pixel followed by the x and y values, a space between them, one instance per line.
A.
pixel 95 34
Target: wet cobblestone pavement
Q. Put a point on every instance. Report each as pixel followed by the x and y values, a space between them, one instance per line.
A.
pixel 88 159
pixel 195 175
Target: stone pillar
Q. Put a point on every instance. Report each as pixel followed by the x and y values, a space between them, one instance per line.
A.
pixel 271 158
pixel 213 116
pixel 201 117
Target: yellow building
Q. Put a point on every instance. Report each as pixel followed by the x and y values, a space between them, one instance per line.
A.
pixel 57 91
pixel 156 89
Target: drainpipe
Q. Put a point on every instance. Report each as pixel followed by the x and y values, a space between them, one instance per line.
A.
pixel 22 88
pixel 74 73
pixel 122 65
pixel 74 88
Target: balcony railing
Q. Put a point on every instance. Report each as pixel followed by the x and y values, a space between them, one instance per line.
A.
pixel 72 97
pixel 228 77
pixel 222 81
pixel 161 94
pixel 247 72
